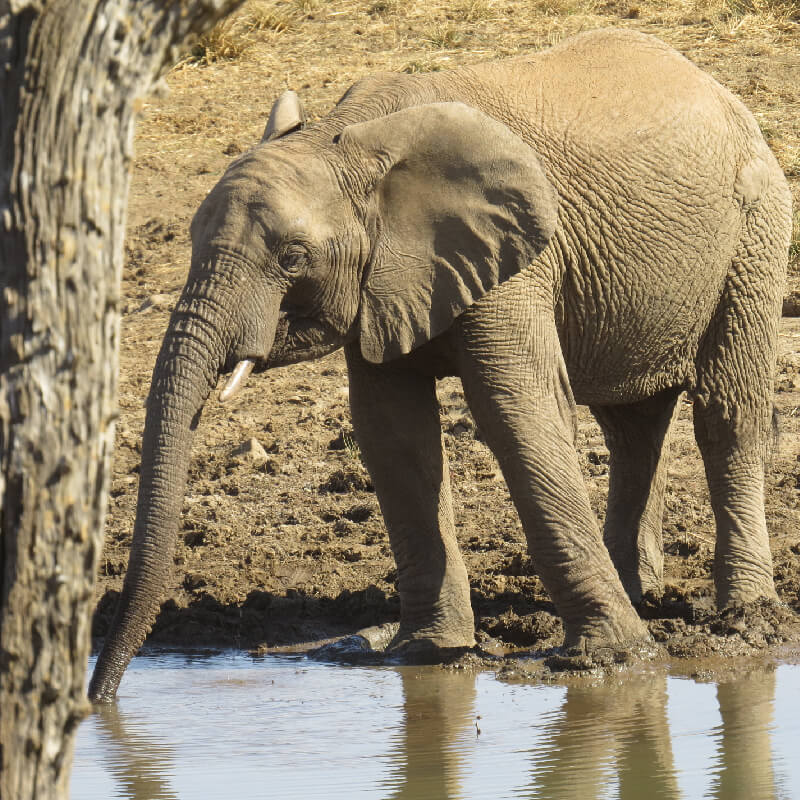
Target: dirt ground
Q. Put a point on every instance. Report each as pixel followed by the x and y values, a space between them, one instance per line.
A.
pixel 287 544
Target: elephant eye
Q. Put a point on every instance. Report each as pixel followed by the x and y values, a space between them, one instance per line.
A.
pixel 295 260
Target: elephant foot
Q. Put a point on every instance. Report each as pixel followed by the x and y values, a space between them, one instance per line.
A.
pixel 654 604
pixel 424 651
pixel 604 643
pixel 429 647
pixel 744 591
pixel 602 656
pixel 641 582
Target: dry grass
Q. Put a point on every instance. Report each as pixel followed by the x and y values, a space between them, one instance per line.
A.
pixel 233 36
pixel 421 66
pixel 450 24
pixel 445 37
pixel 474 11
pixel 765 9
pixel 319 47
pixel 792 162
pixel 263 18
pixel 493 27
pixel 225 41
pixel 381 7
pixel 794 246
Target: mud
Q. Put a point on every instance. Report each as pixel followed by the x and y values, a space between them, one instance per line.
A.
pixel 282 541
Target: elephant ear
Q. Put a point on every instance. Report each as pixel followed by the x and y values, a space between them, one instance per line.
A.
pixel 287 115
pixel 462 203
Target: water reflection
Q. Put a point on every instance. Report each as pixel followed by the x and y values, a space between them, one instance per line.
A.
pixel 438 711
pixel 614 730
pixel 745 747
pixel 139 763
pixel 441 734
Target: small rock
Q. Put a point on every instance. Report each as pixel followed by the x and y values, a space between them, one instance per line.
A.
pixel 250 450
pixel 193 581
pixel 160 302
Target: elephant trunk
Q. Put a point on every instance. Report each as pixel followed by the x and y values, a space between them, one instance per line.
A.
pixel 202 338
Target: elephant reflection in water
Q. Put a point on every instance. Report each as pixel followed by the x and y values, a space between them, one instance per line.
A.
pixel 139 764
pixel 746 707
pixel 618 727
pixel 624 725
pixel 438 710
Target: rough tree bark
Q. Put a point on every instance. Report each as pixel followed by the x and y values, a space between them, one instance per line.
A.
pixel 71 75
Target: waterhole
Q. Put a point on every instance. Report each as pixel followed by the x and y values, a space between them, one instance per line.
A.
pixel 226 725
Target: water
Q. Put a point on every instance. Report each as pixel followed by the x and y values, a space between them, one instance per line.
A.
pixel 231 726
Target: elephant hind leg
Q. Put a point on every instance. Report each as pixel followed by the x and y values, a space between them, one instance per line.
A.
pixel 734 463
pixel 636 435
pixel 733 407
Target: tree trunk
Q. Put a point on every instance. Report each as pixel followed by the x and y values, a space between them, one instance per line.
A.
pixel 71 75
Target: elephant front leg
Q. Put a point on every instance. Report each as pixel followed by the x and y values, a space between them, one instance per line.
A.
pixel 396 422
pixel 516 385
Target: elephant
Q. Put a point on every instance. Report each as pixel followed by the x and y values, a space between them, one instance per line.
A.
pixel 598 223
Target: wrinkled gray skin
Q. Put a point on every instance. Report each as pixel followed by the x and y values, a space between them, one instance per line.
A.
pixel 599 223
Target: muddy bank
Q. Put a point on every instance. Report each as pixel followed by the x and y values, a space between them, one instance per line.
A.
pixel 282 542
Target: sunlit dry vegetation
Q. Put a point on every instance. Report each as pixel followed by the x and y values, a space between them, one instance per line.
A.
pixel 319 47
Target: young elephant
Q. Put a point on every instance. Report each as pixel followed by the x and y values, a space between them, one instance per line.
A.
pixel 599 223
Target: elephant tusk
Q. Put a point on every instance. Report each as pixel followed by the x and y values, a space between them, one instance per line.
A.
pixel 236 380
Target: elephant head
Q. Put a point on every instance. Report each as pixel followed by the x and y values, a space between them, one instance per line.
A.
pixel 383 230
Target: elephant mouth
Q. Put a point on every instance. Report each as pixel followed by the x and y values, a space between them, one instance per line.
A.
pixel 294 333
